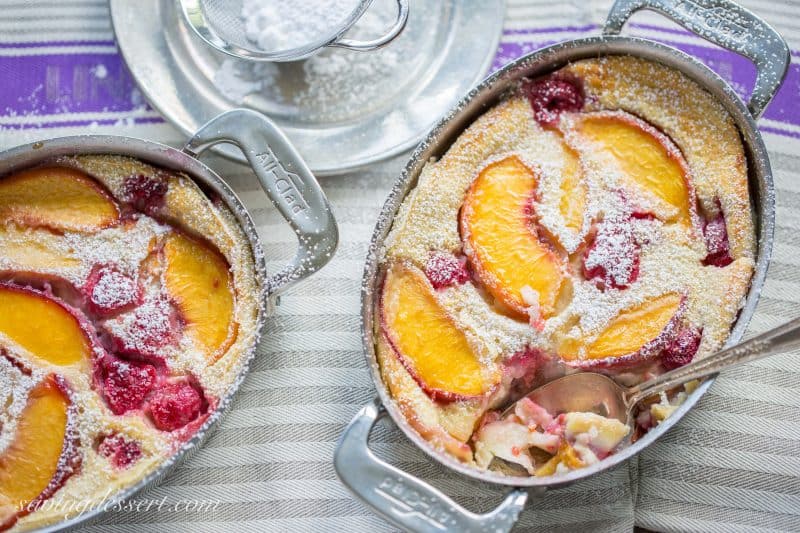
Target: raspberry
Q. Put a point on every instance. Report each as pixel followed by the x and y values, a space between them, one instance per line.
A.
pixel 613 256
pixel 681 349
pixel 142 334
pixel 716 234
pixel 145 193
pixel 175 405
pixel 109 291
pixel 120 452
pixel 444 270
pixel 522 370
pixel 126 384
pixel 643 215
pixel 549 97
pixel 632 205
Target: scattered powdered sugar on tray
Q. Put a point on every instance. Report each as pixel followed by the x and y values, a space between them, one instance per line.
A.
pixel 275 25
pixel 236 84
pixel 334 84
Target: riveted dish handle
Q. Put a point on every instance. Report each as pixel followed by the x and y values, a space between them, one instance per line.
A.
pixel 728 25
pixel 401 498
pixel 390 35
pixel 288 182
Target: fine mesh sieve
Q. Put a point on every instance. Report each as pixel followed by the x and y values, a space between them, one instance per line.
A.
pixel 220 24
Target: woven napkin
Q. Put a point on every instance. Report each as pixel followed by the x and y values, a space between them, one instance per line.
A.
pixel 732 464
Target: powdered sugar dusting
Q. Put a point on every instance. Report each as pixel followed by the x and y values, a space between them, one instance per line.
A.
pixel 15 385
pixel 111 290
pixel 114 289
pixel 614 254
pixel 275 25
pixel 126 245
pixel 147 329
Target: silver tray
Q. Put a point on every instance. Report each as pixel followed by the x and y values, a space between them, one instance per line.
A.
pixel 446 48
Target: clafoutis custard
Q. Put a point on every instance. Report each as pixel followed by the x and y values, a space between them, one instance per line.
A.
pixel 127 305
pixel 597 219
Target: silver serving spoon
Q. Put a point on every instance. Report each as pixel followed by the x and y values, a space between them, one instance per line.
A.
pixel 599 394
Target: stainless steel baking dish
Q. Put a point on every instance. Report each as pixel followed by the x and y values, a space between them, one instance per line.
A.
pixel 413 504
pixel 282 174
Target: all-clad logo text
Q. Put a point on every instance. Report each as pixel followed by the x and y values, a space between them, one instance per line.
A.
pixel 412 503
pixel 287 184
pixel 715 18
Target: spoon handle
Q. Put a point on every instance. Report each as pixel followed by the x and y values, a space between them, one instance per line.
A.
pixel 778 340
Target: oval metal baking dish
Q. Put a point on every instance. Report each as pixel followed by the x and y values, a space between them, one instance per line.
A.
pixel 413 504
pixel 282 174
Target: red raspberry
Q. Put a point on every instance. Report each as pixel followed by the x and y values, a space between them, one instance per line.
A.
pixel 145 193
pixel 126 384
pixel 681 349
pixel 549 97
pixel 142 334
pixel 109 291
pixel 631 205
pixel 643 215
pixel 175 405
pixel 524 364
pixel 444 270
pixel 613 255
pixel 715 232
pixel 120 452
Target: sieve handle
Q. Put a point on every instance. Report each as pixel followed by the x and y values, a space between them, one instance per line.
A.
pixel 728 25
pixel 288 182
pixel 389 36
pixel 401 498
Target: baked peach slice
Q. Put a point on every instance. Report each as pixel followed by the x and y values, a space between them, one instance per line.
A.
pixel 43 327
pixel 430 346
pixel 572 204
pixel 637 334
pixel 34 250
pixel 61 198
pixel 197 277
pixel 647 157
pixel 566 455
pixel 43 453
pixel 505 244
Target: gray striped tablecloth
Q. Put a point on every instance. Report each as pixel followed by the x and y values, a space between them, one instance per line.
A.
pixel 733 464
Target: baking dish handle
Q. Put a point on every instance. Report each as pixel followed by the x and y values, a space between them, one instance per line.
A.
pixel 401 498
pixel 728 25
pixel 288 182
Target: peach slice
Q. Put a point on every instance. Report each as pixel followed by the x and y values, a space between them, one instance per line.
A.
pixel 60 198
pixel 43 327
pixel 566 455
pixel 573 192
pixel 504 244
pixel 430 346
pixel 33 250
pixel 198 278
pixel 605 434
pixel 647 157
pixel 42 454
pixel 635 335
